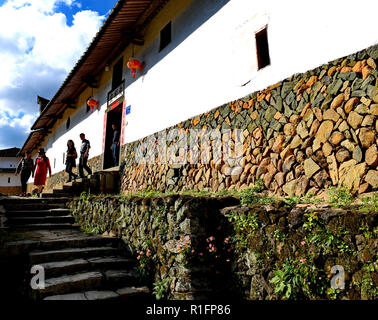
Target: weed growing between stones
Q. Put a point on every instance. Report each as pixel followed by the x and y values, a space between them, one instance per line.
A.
pixel 297 280
pixel 244 225
pixel 370 204
pixel 367 233
pixel 340 197
pixel 367 285
pixel 323 238
pixel 145 260
pixel 161 289
pixel 294 199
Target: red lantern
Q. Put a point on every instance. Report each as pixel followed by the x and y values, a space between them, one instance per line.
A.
pixel 134 65
pixel 93 104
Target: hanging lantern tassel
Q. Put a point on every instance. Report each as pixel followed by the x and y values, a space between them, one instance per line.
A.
pixel 134 65
pixel 93 104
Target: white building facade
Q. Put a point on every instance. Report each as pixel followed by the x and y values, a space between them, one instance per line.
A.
pixel 209 55
pixel 10 183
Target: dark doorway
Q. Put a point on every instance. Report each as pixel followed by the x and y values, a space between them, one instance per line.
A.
pixel 113 117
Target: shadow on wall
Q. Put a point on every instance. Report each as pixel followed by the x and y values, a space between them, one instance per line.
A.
pixel 194 16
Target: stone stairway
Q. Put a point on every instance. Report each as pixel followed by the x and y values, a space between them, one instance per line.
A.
pixel 89 184
pixel 106 181
pixel 77 266
pixel 86 269
pixel 35 214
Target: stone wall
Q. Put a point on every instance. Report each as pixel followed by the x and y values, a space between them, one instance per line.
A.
pixel 307 133
pixel 205 247
pixel 158 227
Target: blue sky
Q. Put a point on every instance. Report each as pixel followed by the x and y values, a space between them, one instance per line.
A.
pixel 40 42
pixel 101 6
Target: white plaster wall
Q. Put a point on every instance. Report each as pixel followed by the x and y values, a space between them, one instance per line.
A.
pixel 81 122
pixel 14 180
pixel 210 67
pixel 9 162
pixel 217 62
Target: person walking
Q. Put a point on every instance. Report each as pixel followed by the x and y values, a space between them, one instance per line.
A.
pixel 84 153
pixel 115 145
pixel 71 160
pixel 41 166
pixel 25 168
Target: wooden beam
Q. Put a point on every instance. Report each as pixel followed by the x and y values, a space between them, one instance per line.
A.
pixel 90 81
pixel 54 116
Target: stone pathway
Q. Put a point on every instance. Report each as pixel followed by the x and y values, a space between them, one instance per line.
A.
pixel 77 266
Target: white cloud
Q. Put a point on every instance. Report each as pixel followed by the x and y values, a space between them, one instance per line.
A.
pixel 37 50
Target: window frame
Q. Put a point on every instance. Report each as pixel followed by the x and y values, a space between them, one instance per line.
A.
pixel 165 36
pixel 262 48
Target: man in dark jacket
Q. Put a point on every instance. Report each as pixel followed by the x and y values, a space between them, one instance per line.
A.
pixel 25 167
pixel 84 153
pixel 115 144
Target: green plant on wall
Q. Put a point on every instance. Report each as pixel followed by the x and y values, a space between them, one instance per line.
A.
pixel 250 196
pixel 161 288
pixel 370 204
pixel 340 197
pixel 85 196
pixel 145 260
pixel 311 220
pixel 244 225
pixel 333 294
pixel 294 199
pixel 279 235
pixel 328 241
pixel 368 288
pixel 300 277
pixel 368 234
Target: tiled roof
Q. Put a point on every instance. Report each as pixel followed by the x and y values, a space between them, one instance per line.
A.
pixel 8 153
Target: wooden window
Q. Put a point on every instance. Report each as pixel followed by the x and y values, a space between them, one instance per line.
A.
pixel 117 74
pixel 165 36
pixel 262 48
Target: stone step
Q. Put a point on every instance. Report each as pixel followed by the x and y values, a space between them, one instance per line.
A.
pixel 29 206
pixel 40 220
pixel 59 268
pixel 61 193
pixel 21 247
pixel 131 293
pixel 44 226
pixel 120 278
pixel 124 293
pixel 31 200
pixel 112 262
pixel 71 283
pixel 71 254
pixel 38 213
